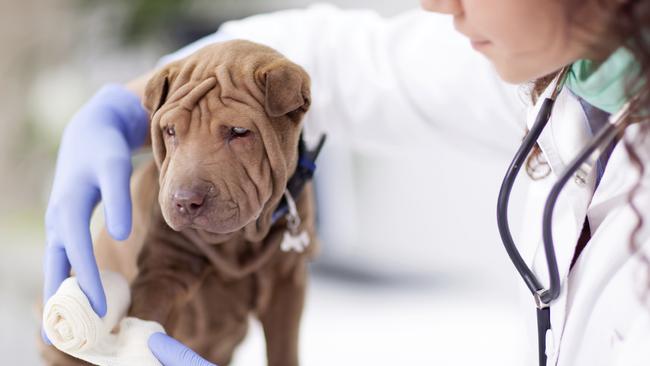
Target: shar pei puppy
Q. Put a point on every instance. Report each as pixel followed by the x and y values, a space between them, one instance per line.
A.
pixel 206 251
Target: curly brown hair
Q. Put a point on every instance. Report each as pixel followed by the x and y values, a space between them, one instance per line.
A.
pixel 630 26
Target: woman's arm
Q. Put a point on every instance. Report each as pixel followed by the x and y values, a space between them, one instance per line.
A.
pixel 404 77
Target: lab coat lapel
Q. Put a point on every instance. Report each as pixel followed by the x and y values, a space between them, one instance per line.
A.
pixel 565 135
pixel 612 221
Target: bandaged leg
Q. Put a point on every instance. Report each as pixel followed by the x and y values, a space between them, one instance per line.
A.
pixel 73 327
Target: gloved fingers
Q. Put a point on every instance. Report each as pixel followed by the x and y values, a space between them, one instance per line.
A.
pixel 114 183
pixel 79 249
pixel 57 269
pixel 171 352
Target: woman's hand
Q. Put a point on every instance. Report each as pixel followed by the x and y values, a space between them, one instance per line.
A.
pixel 171 352
pixel 94 163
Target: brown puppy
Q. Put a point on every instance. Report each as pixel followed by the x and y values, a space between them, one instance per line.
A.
pixel 225 126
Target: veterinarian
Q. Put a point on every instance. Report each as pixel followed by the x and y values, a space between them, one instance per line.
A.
pixel 586 65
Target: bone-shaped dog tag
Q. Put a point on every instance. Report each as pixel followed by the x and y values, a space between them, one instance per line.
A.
pixel 296 243
pixel 293 240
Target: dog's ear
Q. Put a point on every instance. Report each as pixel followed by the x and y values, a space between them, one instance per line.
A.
pixel 287 90
pixel 155 95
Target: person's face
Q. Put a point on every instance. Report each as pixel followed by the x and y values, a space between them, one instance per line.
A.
pixel 528 39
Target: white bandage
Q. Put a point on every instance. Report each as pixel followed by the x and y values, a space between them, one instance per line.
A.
pixel 73 327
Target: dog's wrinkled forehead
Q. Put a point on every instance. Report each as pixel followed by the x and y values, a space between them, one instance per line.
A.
pixel 244 71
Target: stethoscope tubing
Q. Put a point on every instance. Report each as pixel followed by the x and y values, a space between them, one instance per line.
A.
pixel 533 284
pixel 541 120
pixel 518 161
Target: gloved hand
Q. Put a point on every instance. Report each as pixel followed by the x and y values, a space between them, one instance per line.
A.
pixel 94 162
pixel 171 352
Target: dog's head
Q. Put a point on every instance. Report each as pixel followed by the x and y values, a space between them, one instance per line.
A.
pixel 225 124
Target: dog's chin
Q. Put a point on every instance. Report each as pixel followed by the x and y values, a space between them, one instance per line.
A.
pixel 212 225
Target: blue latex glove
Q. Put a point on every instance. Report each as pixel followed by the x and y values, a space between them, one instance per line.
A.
pixel 171 352
pixel 94 162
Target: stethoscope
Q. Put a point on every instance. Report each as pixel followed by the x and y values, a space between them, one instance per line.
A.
pixel 579 168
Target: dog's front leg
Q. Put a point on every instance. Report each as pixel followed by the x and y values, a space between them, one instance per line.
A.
pixel 167 277
pixel 281 318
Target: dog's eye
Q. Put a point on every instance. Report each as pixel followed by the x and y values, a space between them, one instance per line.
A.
pixel 239 132
pixel 170 131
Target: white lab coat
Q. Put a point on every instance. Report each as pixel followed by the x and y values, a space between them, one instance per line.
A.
pixel 403 82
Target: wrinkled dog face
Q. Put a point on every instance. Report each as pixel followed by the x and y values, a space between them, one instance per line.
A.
pixel 225 126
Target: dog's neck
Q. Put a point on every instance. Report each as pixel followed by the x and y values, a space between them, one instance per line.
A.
pixel 233 255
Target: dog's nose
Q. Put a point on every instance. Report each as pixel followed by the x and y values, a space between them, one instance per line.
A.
pixel 189 201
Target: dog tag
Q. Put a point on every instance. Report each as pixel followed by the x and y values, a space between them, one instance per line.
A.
pixel 293 240
pixel 296 243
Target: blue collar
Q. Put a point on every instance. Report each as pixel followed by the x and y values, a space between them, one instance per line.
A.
pixel 303 174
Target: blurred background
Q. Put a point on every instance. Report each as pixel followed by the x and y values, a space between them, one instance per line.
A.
pixel 433 289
